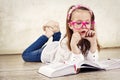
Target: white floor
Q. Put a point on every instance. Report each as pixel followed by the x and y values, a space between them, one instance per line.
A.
pixel 12 67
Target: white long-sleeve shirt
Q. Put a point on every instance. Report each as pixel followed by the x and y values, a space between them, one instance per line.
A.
pixel 56 52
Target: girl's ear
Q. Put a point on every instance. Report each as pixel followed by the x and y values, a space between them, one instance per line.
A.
pixel 92 25
pixel 70 26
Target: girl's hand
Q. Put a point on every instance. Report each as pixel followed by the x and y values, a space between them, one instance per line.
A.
pixel 91 37
pixel 74 41
pixel 75 38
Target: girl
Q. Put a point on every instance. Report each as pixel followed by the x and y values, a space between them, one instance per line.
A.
pixel 79 43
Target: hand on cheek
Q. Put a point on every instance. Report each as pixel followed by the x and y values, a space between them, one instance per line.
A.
pixel 74 41
pixel 75 38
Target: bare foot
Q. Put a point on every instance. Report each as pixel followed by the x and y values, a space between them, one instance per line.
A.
pixel 53 24
pixel 48 32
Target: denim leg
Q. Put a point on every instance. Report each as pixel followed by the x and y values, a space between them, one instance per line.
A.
pixel 57 36
pixel 34 56
pixel 33 52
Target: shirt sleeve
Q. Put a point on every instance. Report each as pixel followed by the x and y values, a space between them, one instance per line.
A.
pixel 76 57
pixel 92 56
pixel 49 52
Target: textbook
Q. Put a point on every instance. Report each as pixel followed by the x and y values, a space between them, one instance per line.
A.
pixel 63 69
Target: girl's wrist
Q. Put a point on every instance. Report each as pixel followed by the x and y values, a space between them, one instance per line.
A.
pixel 93 47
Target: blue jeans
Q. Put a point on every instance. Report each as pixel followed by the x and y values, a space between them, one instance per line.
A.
pixel 33 52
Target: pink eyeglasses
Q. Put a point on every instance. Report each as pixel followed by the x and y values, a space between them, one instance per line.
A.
pixel 81 25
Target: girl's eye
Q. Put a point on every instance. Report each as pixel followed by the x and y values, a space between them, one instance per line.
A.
pixel 73 23
pixel 87 23
pixel 78 23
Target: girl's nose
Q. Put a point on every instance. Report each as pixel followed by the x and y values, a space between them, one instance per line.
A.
pixel 83 25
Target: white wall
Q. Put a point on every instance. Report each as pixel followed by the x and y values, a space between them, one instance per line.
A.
pixel 21 21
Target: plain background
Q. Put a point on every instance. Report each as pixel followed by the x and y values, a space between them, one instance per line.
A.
pixel 21 21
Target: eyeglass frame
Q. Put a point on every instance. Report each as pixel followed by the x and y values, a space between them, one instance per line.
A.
pixel 83 23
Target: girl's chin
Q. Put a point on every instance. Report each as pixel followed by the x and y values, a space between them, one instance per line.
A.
pixel 82 36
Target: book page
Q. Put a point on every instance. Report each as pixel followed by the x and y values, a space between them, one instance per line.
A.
pixel 94 64
pixel 111 64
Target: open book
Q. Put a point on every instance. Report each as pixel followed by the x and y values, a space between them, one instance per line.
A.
pixel 57 69
pixel 62 69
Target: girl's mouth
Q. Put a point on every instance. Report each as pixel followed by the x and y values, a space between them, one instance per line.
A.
pixel 82 32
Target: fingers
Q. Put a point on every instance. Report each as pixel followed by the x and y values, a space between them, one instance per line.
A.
pixel 90 33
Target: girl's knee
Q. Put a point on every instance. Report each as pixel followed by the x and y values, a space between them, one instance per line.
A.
pixel 25 56
pixel 30 57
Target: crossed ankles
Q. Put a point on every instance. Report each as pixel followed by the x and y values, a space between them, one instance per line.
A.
pixel 50 28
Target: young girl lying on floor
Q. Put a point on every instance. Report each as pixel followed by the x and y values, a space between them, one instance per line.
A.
pixel 79 43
